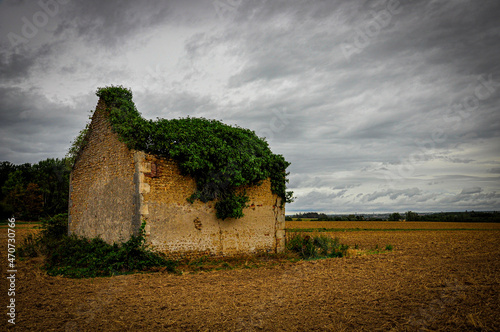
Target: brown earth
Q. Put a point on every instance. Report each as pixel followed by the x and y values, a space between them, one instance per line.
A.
pixel 432 280
pixel 391 225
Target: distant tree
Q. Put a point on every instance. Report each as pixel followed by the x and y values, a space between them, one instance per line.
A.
pixel 14 190
pixel 31 191
pixel 307 215
pixel 411 216
pixel 32 202
pixel 395 217
pixel 52 176
pixel 324 217
pixel 13 204
pixel 5 169
pixel 6 209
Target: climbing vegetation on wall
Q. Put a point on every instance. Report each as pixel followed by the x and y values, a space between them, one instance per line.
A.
pixel 219 157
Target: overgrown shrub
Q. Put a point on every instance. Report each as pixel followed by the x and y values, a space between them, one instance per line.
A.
pixel 55 227
pixel 53 230
pixel 314 247
pixel 30 247
pixel 219 157
pixel 79 257
pixel 230 206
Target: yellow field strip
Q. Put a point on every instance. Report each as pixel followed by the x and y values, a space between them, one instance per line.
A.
pixel 389 225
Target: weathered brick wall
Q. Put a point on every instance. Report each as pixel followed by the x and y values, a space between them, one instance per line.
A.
pixel 180 228
pixel 103 199
pixel 113 189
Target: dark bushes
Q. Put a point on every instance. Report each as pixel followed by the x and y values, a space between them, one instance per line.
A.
pixel 79 257
pixel 308 247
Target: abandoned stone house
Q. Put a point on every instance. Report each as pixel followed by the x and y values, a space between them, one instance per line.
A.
pixel 113 189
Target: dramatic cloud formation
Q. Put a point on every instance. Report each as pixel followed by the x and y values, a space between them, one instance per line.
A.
pixel 381 106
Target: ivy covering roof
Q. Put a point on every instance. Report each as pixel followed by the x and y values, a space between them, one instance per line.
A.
pixel 219 157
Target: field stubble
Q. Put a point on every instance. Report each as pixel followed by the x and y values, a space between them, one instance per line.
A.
pixel 432 280
pixel 389 225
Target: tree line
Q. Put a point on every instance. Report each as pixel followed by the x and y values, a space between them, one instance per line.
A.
pixel 467 216
pixel 33 191
pixel 324 217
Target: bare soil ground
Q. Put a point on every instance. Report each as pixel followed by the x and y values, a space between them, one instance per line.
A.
pixel 433 280
pixel 411 225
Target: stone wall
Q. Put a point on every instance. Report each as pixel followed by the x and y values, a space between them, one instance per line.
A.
pixel 113 189
pixel 179 228
pixel 103 200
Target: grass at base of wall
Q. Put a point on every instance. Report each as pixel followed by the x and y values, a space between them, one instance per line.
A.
pixel 78 257
pixel 299 247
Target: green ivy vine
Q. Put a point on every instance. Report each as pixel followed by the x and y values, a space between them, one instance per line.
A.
pixel 219 157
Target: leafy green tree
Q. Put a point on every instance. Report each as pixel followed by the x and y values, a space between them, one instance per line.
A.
pixel 395 217
pixel 32 202
pixel 6 168
pixel 6 210
pixel 411 216
pixel 52 176
pixel 14 190
pixel 14 202
pixel 32 191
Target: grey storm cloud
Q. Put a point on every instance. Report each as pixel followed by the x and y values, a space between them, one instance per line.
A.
pixel 392 194
pixel 495 170
pixel 29 121
pixel 15 66
pixel 470 191
pixel 379 105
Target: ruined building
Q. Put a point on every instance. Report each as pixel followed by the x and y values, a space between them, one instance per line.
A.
pixel 114 188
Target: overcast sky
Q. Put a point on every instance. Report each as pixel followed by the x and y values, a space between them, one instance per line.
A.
pixel 380 106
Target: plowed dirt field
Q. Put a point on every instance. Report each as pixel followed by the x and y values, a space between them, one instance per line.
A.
pixel 443 279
